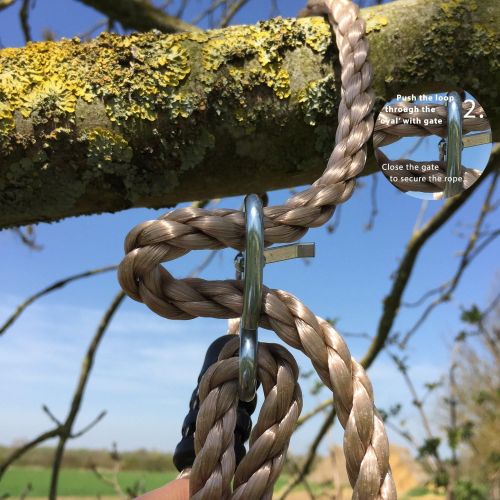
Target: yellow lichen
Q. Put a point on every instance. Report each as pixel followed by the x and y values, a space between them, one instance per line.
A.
pixel 142 76
pixel 318 34
pixel 51 91
pixel 376 23
pixel 450 6
pixel 106 147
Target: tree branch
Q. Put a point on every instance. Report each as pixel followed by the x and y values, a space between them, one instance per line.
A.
pixel 88 362
pixel 6 3
pixel 153 120
pixel 234 8
pixel 24 14
pixel 140 16
pixel 55 286
pixel 468 255
pixel 19 452
pixel 64 431
pixel 311 454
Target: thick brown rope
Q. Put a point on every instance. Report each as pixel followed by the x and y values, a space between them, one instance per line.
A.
pixel 144 279
pixel 214 466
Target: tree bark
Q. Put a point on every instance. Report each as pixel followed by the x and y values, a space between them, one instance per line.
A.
pixel 150 120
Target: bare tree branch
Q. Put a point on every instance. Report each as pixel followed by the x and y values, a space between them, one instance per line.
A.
pixel 315 411
pixel 24 18
pixel 27 236
pixel 55 286
pixel 140 16
pixel 311 454
pixel 19 452
pixel 374 208
pixel 392 301
pixel 467 257
pixel 89 426
pixel 52 417
pixel 66 430
pixel 233 9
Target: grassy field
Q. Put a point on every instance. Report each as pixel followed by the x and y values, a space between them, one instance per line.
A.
pixel 77 482
pixel 74 482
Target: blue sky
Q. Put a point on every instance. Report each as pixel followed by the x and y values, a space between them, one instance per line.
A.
pixel 146 367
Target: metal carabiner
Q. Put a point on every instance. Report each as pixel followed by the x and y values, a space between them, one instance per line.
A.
pixel 454 146
pixel 250 266
pixel 253 270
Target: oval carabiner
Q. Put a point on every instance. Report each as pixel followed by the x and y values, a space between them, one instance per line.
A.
pixel 253 268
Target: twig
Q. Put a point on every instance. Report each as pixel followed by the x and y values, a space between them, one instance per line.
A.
pixel 19 452
pixel 392 301
pixel 27 237
pixel 307 416
pixel 374 211
pixel 426 295
pixel 467 257
pixel 24 13
pixel 64 431
pixel 113 482
pixel 180 11
pixel 233 9
pixel 311 454
pixel 52 417
pixel 306 484
pixel 417 402
pixel 88 361
pixel 26 491
pixel 420 215
pixel 208 11
pixel 87 34
pixel 55 286
pixel 331 228
pixel 453 403
pixel 203 265
pixel 140 16
pixel 89 426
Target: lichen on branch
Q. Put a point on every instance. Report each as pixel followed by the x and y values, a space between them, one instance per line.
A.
pixel 152 119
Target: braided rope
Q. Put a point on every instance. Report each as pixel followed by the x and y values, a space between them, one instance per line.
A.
pixel 412 175
pixel 214 465
pixel 144 279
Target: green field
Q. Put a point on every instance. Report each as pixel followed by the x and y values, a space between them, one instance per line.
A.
pixel 77 482
pixel 74 482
